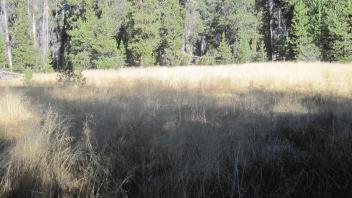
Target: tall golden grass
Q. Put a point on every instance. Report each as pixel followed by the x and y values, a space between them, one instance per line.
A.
pixel 275 76
pixel 252 130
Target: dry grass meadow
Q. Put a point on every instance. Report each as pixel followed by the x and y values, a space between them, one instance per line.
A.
pixel 256 130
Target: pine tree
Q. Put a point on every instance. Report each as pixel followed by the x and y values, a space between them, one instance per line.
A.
pixel 261 55
pixel 194 26
pixel 105 45
pixel 7 41
pixel 3 63
pixel 340 30
pixel 244 52
pixel 91 34
pixel 93 39
pixel 301 41
pixel 172 25
pixel 82 36
pixel 225 51
pixel 240 21
pixel 25 55
pixel 146 24
pixel 317 11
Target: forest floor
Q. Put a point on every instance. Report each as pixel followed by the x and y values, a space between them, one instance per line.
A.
pixel 252 130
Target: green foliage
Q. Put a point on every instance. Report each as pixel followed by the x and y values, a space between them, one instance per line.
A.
pixel 92 34
pixel 317 11
pixel 301 41
pixel 208 59
pixel 171 31
pixel 208 20
pixel 3 63
pixel 241 22
pixel 195 25
pixel 244 52
pixel 70 77
pixel 340 30
pixel 261 54
pixel 28 75
pixel 25 55
pixel 93 38
pixel 146 23
pixel 225 51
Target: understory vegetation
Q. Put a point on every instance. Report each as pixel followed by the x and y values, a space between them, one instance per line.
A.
pixel 137 133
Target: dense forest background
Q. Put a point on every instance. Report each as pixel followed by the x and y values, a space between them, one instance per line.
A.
pixel 46 35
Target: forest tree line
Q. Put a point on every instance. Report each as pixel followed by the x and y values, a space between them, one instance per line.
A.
pixel 46 35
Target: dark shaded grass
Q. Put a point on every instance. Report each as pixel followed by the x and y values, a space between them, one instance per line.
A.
pixel 173 143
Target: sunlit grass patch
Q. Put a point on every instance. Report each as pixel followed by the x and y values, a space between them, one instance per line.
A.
pixel 16 115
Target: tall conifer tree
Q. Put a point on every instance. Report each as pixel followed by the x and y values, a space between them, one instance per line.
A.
pixel 93 36
pixel 25 55
pixel 301 40
pixel 172 25
pixel 146 24
pixel 340 30
pixel 3 63
pixel 225 51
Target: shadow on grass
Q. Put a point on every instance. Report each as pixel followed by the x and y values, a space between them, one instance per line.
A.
pixel 172 143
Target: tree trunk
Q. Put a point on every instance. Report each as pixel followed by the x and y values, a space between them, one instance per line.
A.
pixel 271 24
pixel 32 15
pixel 45 29
pixel 141 61
pixel 7 35
pixel 189 26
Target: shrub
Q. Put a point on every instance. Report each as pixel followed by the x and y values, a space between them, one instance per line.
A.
pixel 28 75
pixel 69 77
pixel 208 59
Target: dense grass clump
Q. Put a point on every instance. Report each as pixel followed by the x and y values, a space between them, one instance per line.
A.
pixel 145 136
